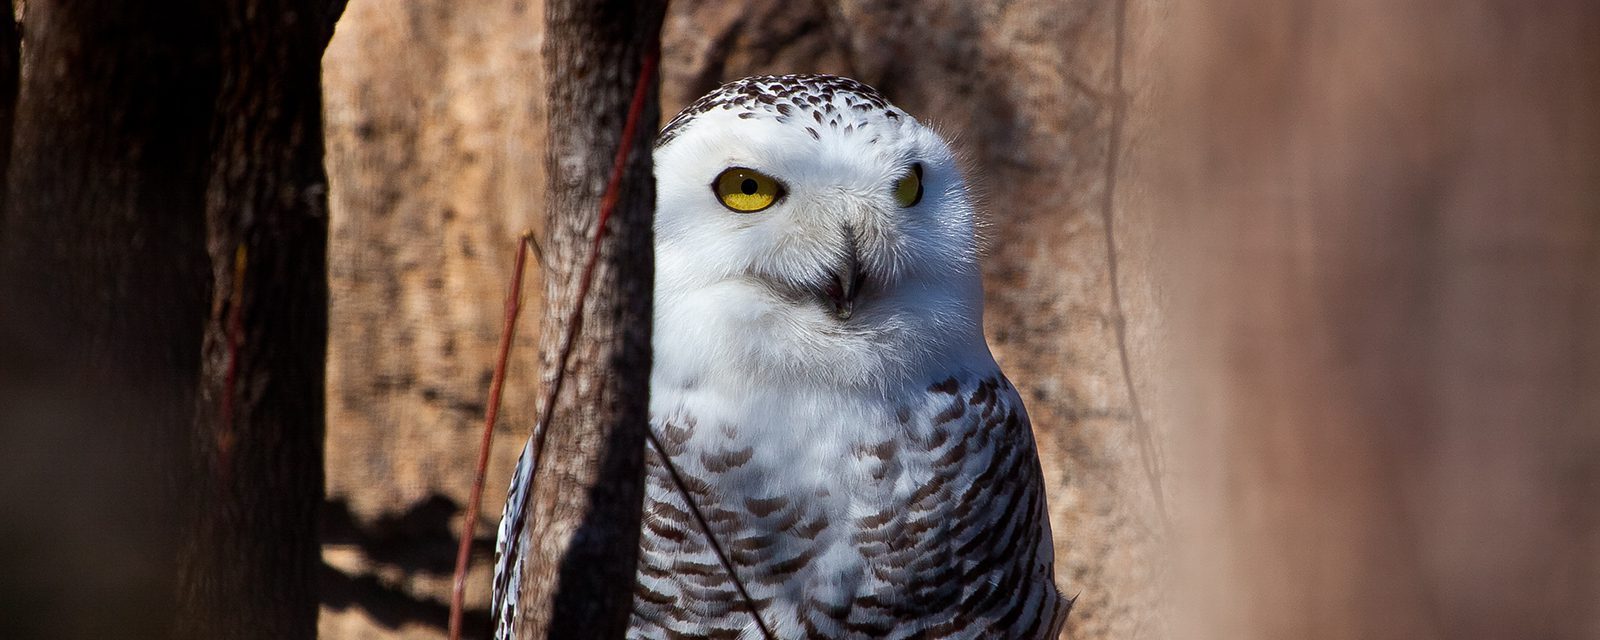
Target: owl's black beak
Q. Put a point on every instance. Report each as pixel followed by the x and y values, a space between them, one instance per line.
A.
pixel 847 281
pixel 842 292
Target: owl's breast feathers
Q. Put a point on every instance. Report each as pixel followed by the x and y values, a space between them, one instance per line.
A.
pixel 932 525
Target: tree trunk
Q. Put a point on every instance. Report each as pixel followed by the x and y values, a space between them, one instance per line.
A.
pixel 104 296
pixel 251 555
pixel 583 516
pixel 1387 214
pixel 137 515
pixel 10 76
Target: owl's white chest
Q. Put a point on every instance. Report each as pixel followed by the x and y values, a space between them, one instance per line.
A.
pixel 801 441
pixel 793 469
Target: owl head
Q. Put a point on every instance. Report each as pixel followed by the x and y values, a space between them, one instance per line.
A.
pixel 807 228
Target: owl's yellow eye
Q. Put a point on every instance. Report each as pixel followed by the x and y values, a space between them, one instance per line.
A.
pixel 908 189
pixel 746 190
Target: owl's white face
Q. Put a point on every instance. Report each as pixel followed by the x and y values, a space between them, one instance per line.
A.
pixel 845 274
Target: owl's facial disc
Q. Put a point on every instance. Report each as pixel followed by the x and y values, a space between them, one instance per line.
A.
pixel 832 235
pixel 804 225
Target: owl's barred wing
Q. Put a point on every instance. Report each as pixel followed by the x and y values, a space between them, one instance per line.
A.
pixel 508 547
pixel 1002 524
pixel 972 544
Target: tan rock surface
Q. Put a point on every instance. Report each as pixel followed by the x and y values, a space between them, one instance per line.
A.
pixel 435 134
pixel 435 157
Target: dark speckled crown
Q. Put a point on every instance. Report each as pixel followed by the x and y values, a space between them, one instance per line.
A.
pixel 824 100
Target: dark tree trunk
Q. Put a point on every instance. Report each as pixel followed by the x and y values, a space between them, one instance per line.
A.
pixel 10 75
pixel 584 514
pixel 104 298
pixel 250 560
pixel 166 468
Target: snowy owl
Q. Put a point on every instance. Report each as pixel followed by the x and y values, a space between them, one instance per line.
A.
pixel 822 384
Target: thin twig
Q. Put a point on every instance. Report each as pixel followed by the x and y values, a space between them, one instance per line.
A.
pixel 700 518
pixel 538 252
pixel 232 334
pixel 233 341
pixel 469 522
pixel 1147 454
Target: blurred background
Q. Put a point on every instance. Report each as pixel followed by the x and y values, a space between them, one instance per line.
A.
pixel 1301 296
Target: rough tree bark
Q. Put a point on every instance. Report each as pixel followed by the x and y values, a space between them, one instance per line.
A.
pixel 583 517
pixel 1387 213
pixel 251 552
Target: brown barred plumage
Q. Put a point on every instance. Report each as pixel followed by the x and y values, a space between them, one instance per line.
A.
pixel 966 554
